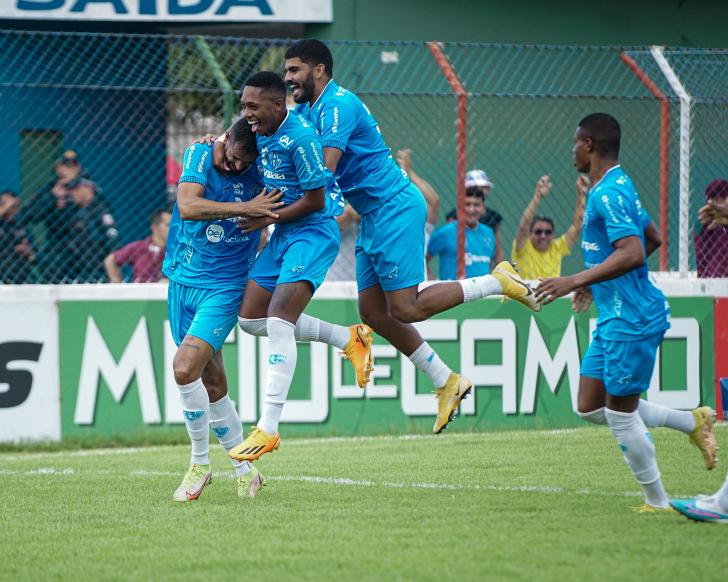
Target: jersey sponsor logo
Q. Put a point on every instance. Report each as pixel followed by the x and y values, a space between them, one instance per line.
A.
pixel 188 161
pixel 316 155
pixel 471 259
pixel 285 141
pixel 608 207
pixel 335 124
pixel 589 246
pixel 627 217
pixel 273 175
pixel 214 233
pixel 201 165
pixel 302 152
pixel 298 269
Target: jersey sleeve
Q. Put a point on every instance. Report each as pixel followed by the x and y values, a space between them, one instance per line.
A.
pixel 308 157
pixel 644 216
pixel 614 208
pixel 437 242
pixel 337 122
pixel 197 164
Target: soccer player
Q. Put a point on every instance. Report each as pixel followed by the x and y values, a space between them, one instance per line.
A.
pixel 617 235
pixel 712 508
pixel 207 263
pixel 303 246
pixel 390 247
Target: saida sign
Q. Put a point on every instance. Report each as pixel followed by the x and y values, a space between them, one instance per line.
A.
pixel 171 10
pixel 116 369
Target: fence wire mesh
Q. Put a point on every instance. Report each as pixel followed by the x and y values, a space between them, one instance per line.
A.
pixel 94 127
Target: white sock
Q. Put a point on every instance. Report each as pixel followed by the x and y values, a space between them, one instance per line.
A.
pixel 594 416
pixel 657 415
pixel 311 329
pixel 721 496
pixel 228 429
pixel 196 410
pixel 478 287
pixel 308 329
pixel 427 360
pixel 281 365
pixel 639 452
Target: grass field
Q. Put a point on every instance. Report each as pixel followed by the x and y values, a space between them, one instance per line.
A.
pixel 549 505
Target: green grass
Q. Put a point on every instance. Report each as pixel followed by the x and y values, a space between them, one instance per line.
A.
pixel 534 505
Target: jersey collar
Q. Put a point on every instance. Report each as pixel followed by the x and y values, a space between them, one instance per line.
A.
pixel 326 88
pixel 604 176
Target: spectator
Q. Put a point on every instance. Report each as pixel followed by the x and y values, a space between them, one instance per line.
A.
pixel 92 235
pixel 479 179
pixel 404 159
pixel 145 256
pixel 535 251
pixel 16 251
pixel 711 240
pixel 481 245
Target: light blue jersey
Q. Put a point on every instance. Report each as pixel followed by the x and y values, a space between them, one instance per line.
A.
pixel 366 172
pixel 479 250
pixel 211 254
pixel 630 306
pixel 292 161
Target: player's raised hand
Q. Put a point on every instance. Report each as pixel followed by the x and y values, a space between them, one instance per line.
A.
pixel 581 299
pixel 543 186
pixel 404 159
pixel 714 214
pixel 550 289
pixel 582 186
pixel 263 205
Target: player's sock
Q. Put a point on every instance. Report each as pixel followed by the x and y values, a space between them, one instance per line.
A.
pixel 478 287
pixel 657 415
pixel 427 361
pixel 594 416
pixel 308 329
pixel 721 496
pixel 228 429
pixel 281 365
pixel 639 452
pixel 196 410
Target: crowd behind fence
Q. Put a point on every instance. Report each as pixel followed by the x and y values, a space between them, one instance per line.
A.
pixel 94 126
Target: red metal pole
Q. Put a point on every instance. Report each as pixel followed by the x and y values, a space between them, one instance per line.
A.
pixel 664 150
pixel 461 147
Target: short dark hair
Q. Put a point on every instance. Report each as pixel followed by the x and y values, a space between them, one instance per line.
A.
pixel 241 133
pixel 156 216
pixel 312 52
pixel 604 131
pixel 268 81
pixel 541 218
pixel 9 193
pixel 475 192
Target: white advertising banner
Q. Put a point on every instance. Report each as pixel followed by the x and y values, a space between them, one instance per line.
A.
pixel 171 10
pixel 30 407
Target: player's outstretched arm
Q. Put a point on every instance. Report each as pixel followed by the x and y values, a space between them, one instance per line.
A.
pixel 543 187
pixel 628 254
pixel 193 206
pixel 311 201
pixel 582 187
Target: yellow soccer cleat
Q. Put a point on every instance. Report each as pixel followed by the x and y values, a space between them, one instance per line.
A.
pixel 256 445
pixel 251 483
pixel 448 399
pixel 194 481
pixel 647 508
pixel 515 287
pixel 703 436
pixel 359 352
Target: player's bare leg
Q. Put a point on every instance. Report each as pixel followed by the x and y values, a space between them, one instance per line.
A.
pixel 451 388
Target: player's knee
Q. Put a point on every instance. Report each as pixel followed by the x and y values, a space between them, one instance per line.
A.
pixel 185 372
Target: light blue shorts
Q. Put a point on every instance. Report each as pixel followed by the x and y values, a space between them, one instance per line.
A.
pixel 208 314
pixel 625 366
pixel 301 253
pixel 390 250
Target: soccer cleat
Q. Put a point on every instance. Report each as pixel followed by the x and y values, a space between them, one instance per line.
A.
pixel 359 352
pixel 194 481
pixel 256 445
pixel 250 483
pixel 515 287
pixel 448 399
pixel 701 509
pixel 647 508
pixel 703 436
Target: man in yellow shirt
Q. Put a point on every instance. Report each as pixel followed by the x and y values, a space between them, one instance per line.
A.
pixel 535 251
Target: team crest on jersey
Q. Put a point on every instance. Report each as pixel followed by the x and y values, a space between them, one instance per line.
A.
pixel 285 141
pixel 275 160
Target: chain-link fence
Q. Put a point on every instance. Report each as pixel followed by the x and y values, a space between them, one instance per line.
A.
pixel 94 127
